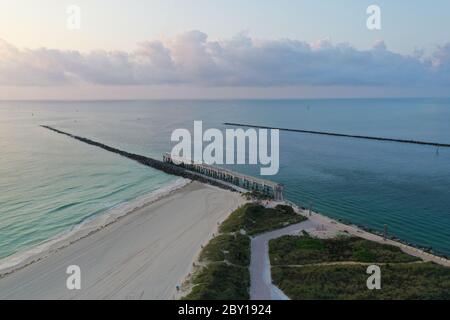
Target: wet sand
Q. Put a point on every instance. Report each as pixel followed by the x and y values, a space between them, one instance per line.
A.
pixel 143 255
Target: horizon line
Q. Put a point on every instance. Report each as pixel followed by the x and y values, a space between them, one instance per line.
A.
pixel 221 99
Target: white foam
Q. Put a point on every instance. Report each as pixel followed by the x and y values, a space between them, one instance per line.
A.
pixel 42 250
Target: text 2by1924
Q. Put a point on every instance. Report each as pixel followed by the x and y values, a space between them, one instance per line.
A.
pixel 246 309
pixel 226 309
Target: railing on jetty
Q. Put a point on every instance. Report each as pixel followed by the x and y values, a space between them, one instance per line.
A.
pixel 264 187
pixel 245 182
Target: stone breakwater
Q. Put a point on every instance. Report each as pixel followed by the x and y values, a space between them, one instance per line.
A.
pixel 324 133
pixel 150 162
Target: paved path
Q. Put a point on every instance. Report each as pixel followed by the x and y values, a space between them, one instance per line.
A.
pixel 261 287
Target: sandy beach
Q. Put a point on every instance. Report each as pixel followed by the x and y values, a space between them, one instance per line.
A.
pixel 327 227
pixel 319 226
pixel 143 255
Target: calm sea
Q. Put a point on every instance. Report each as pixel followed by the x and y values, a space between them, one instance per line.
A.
pixel 50 183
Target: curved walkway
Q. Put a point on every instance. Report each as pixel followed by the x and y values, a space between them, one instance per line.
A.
pixel 261 286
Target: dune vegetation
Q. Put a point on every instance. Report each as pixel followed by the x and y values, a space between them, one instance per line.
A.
pixel 309 268
pixel 300 250
pixel 254 218
pixel 225 260
pixel 399 281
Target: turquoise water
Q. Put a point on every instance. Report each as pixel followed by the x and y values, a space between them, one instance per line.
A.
pixel 49 183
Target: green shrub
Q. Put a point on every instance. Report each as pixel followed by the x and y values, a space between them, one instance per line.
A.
pixel 219 281
pixel 226 275
pixel 424 281
pixel 233 248
pixel 254 219
pixel 301 250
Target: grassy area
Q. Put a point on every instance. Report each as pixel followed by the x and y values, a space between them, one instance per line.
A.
pixel 419 281
pixel 233 248
pixel 301 250
pixel 226 274
pixel 254 219
pixel 227 257
pixel 294 262
pixel 219 281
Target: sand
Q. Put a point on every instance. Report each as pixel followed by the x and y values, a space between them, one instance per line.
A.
pixel 328 227
pixel 148 252
pixel 317 225
pixel 143 255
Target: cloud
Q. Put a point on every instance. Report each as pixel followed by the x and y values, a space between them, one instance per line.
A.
pixel 192 59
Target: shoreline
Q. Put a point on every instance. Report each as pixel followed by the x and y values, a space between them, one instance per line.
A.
pixel 143 255
pixel 333 225
pixel 112 225
pixel 318 225
pixel 35 253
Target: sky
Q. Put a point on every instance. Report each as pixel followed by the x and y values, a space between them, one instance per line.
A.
pixel 223 49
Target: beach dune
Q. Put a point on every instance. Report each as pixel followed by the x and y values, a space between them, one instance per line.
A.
pixel 144 255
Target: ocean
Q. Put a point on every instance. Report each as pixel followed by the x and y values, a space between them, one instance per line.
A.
pixel 50 184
